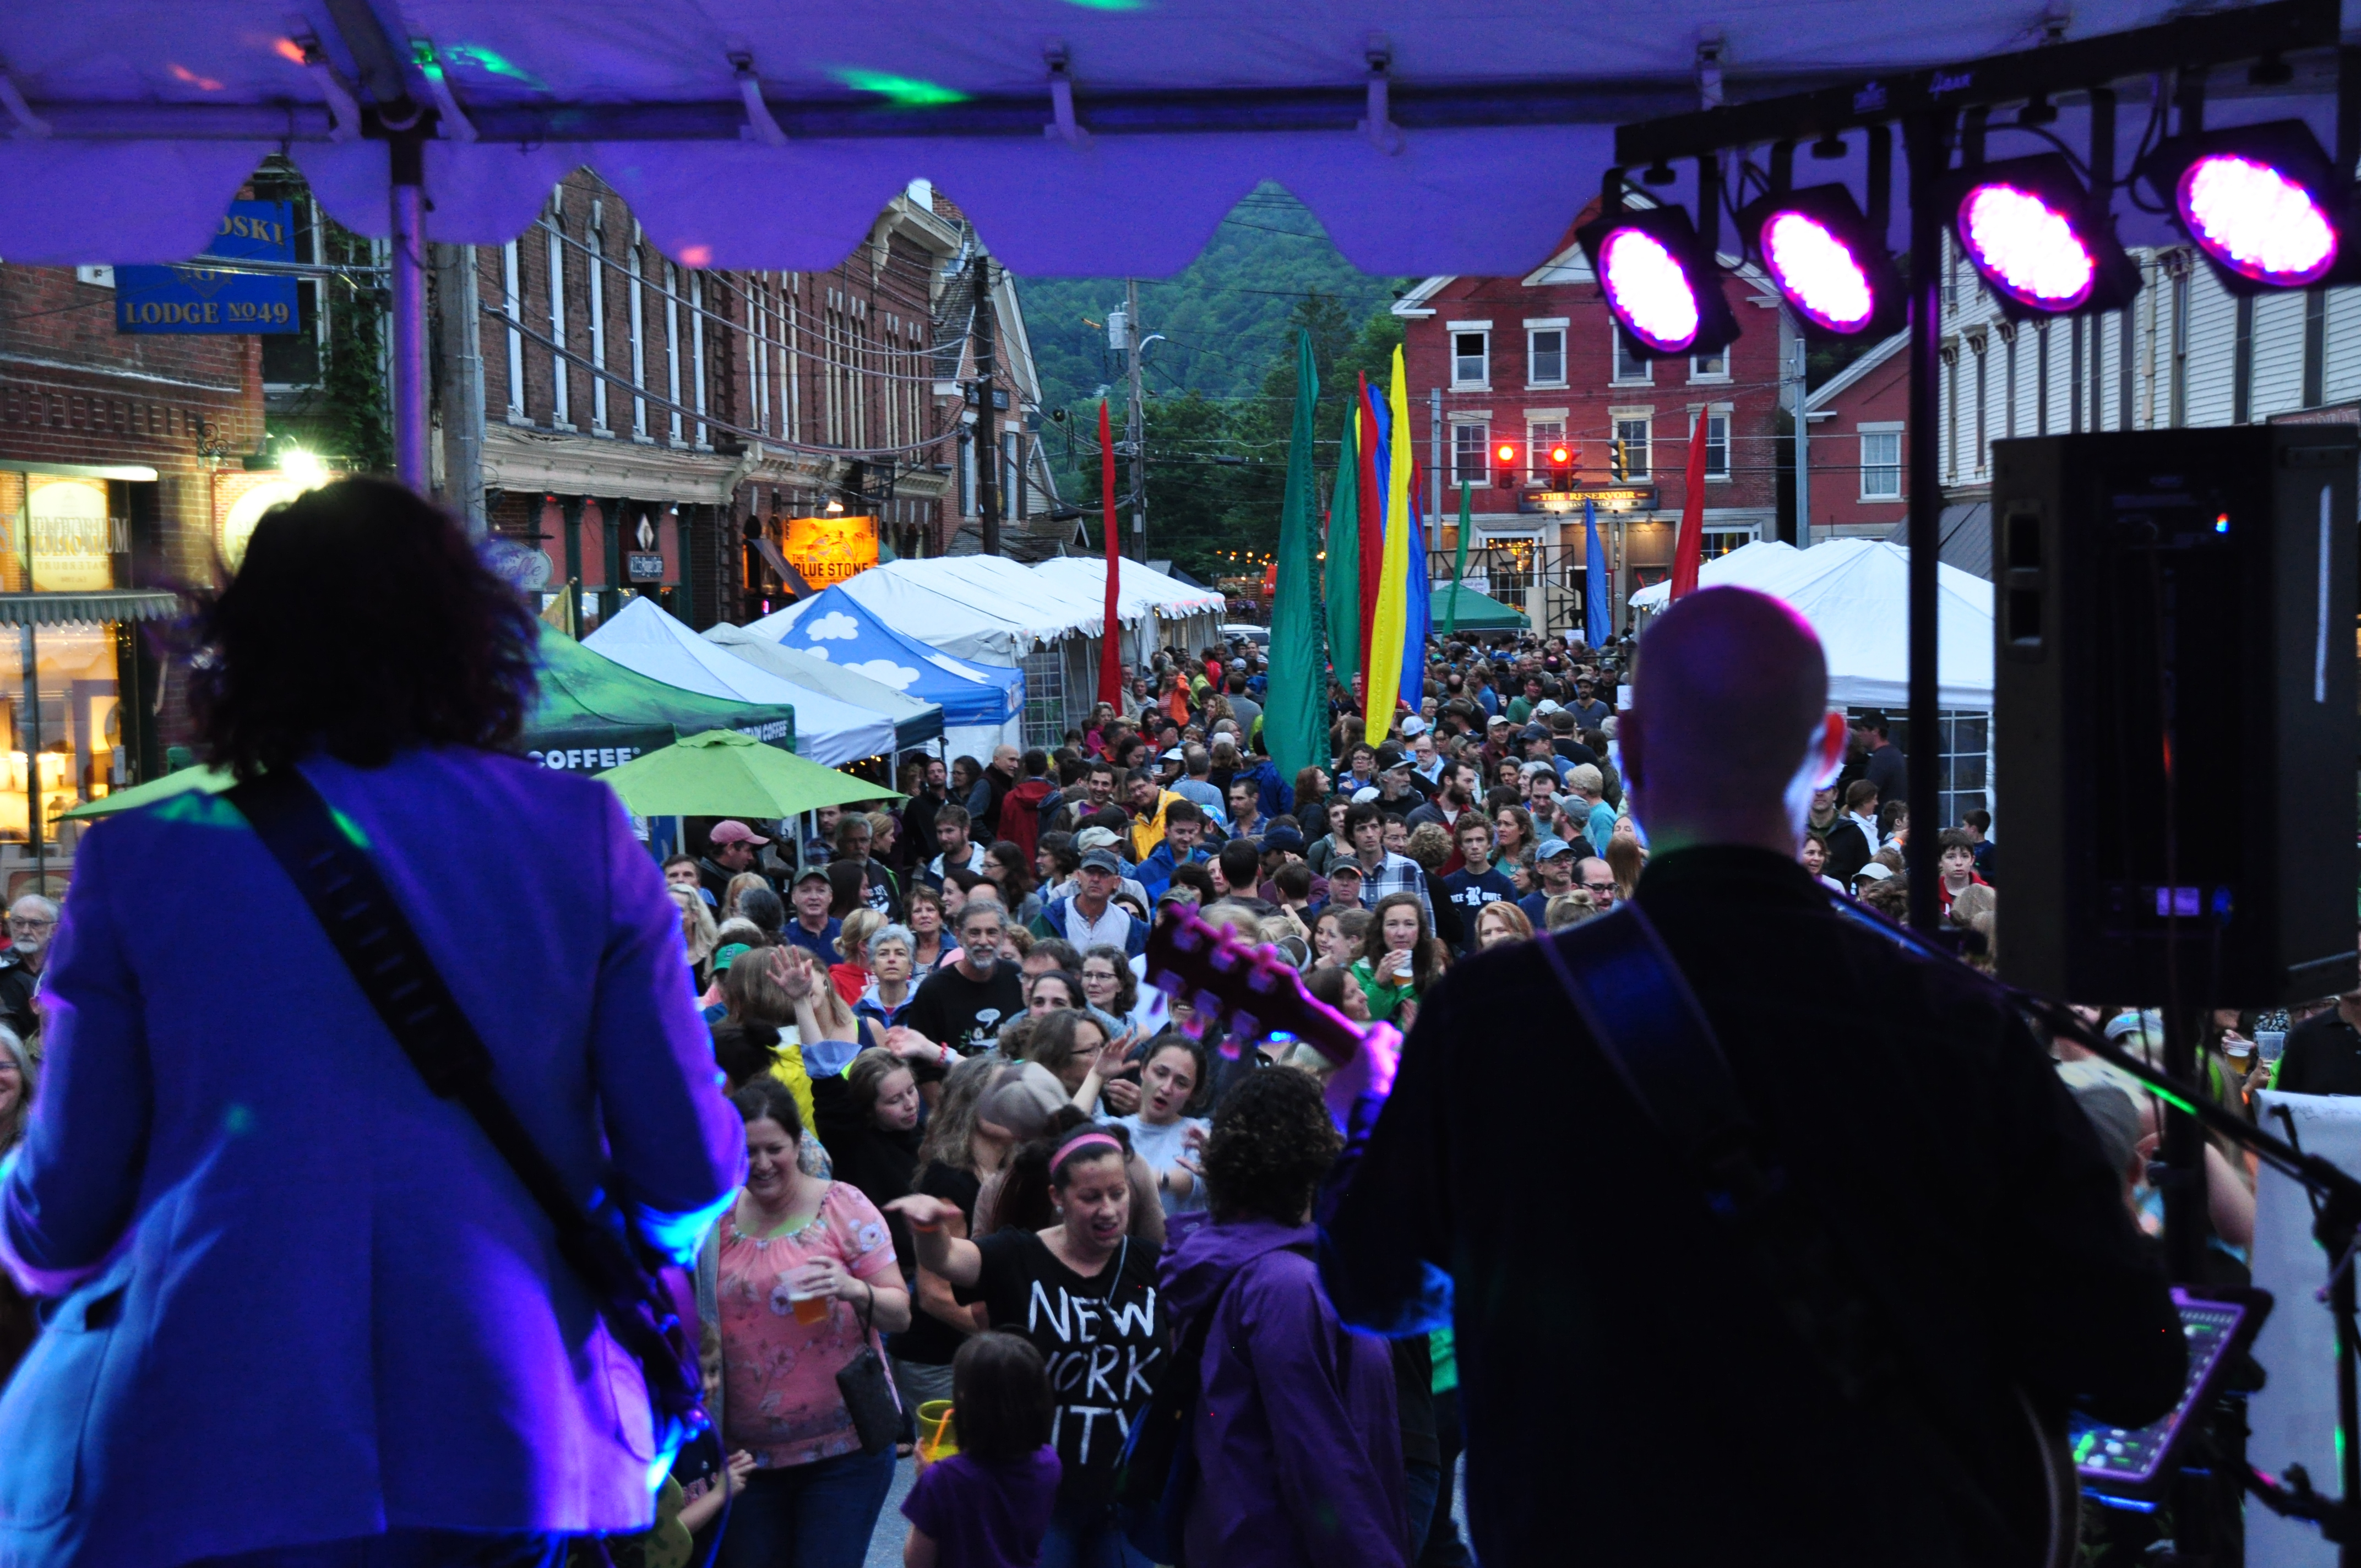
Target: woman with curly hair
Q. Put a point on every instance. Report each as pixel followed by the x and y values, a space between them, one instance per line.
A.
pixel 1297 1436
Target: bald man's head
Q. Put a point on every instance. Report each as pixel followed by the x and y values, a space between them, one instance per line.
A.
pixel 1730 691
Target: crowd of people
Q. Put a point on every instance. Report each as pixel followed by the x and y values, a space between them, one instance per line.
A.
pixel 981 1150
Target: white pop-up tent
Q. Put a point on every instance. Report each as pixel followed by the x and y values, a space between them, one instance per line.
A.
pixel 642 637
pixel 1855 592
pixel 1156 610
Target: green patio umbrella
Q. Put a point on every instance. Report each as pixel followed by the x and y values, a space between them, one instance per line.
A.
pixel 1474 611
pixel 210 780
pixel 723 773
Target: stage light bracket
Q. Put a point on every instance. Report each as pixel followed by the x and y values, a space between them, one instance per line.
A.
pixel 2115 277
pixel 1670 227
pixel 2288 146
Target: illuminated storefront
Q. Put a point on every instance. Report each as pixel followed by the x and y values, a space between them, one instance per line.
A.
pixel 68 653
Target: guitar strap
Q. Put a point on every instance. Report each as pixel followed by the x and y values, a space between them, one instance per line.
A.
pixel 357 911
pixel 1628 991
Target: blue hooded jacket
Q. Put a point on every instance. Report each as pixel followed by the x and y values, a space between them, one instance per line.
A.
pixel 1297 1437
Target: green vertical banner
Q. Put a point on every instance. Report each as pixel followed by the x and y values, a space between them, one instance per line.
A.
pixel 1344 559
pixel 1458 564
pixel 1295 709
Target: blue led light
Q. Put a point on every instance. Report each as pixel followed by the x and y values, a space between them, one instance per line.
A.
pixel 2222 523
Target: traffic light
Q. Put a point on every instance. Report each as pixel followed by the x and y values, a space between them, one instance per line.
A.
pixel 1561 466
pixel 1618 461
pixel 1504 461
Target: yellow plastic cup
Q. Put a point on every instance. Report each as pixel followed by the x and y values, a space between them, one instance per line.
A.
pixel 938 1435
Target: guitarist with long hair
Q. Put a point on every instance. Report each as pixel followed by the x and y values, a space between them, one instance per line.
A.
pixel 1821 1342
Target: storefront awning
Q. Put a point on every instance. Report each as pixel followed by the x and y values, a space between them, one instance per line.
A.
pixel 64 610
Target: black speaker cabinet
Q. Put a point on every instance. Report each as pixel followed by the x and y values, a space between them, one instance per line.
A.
pixel 2174 723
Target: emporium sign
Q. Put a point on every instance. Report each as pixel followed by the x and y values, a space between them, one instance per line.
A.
pixel 71 542
pixel 828 550
pixel 194 298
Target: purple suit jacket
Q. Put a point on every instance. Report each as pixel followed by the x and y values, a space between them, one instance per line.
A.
pixel 302 1299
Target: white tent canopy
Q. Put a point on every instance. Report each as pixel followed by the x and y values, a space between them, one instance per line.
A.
pixel 1855 594
pixel 641 637
pixel 144 116
pixel 1147 602
pixel 970 606
pixel 913 720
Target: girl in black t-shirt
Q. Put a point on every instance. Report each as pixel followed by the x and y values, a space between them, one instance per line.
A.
pixel 1084 1291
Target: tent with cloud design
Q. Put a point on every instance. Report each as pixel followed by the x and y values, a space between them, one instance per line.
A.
pixel 914 723
pixel 834 626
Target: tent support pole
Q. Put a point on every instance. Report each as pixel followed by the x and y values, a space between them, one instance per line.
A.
pixel 408 151
pixel 1928 139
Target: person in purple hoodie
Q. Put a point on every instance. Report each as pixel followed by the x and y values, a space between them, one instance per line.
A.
pixel 1296 1438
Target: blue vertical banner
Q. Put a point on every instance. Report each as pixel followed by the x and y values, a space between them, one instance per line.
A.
pixel 194 298
pixel 1597 616
pixel 1419 621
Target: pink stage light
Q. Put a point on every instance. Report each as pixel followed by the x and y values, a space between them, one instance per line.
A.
pixel 1818 272
pixel 2256 221
pixel 2028 250
pixel 1651 291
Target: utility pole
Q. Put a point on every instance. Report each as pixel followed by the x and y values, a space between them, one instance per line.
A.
pixel 462 390
pixel 987 422
pixel 1803 538
pixel 1135 420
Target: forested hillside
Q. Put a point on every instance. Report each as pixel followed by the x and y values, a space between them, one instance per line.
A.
pixel 1220 384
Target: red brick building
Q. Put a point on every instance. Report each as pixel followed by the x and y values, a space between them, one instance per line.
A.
pixel 1532 361
pixel 1859 464
pixel 111 449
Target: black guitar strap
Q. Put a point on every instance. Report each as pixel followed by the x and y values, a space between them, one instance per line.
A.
pixel 1628 990
pixel 323 856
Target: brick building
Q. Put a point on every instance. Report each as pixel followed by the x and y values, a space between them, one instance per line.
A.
pixel 112 459
pixel 1859 484
pixel 1534 360
pixel 634 406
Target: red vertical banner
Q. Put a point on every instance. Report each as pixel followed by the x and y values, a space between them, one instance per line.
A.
pixel 1110 654
pixel 1688 550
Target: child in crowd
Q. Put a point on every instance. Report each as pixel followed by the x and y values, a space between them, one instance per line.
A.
pixel 988 1505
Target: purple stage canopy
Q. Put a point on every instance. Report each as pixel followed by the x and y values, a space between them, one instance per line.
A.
pixel 132 121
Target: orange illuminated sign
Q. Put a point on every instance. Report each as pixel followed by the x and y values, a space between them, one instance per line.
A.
pixel 827 549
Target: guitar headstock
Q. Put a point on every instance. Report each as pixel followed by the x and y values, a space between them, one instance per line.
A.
pixel 1248 988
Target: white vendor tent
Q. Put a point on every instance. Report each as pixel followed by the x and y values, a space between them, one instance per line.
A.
pixel 642 637
pixel 914 723
pixel 1156 610
pixel 1856 595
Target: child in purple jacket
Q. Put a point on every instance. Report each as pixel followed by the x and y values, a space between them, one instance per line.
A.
pixel 988 1505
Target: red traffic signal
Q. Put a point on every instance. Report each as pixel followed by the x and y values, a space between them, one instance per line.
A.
pixel 1504 458
pixel 1561 466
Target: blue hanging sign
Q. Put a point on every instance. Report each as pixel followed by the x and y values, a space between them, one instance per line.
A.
pixel 194 298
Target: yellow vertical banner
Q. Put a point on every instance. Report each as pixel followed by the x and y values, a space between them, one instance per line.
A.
pixel 1386 657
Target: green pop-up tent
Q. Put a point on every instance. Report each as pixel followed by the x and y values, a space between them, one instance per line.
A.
pixel 593 715
pixel 1476 612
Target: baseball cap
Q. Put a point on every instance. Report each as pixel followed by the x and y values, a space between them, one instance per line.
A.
pixel 727 954
pixel 1546 705
pixel 1366 792
pixel 1551 849
pixel 1413 727
pixel 1391 756
pixel 1090 839
pixel 1534 732
pixel 1101 860
pixel 734 832
pixel 1344 866
pixel 809 874
pixel 1498 719
pixel 1174 755
pixel 1281 838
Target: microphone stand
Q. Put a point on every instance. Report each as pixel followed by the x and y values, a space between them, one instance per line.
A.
pixel 2336 1225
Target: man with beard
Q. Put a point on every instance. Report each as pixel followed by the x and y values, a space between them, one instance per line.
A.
pixel 1460 784
pixel 963 1004
pixel 916 842
pixel 31 919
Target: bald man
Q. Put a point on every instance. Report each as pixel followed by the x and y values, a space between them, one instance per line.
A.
pixel 1632 1390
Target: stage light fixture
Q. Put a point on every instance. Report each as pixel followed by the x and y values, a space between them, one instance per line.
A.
pixel 1825 258
pixel 1661 285
pixel 2029 227
pixel 2262 201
